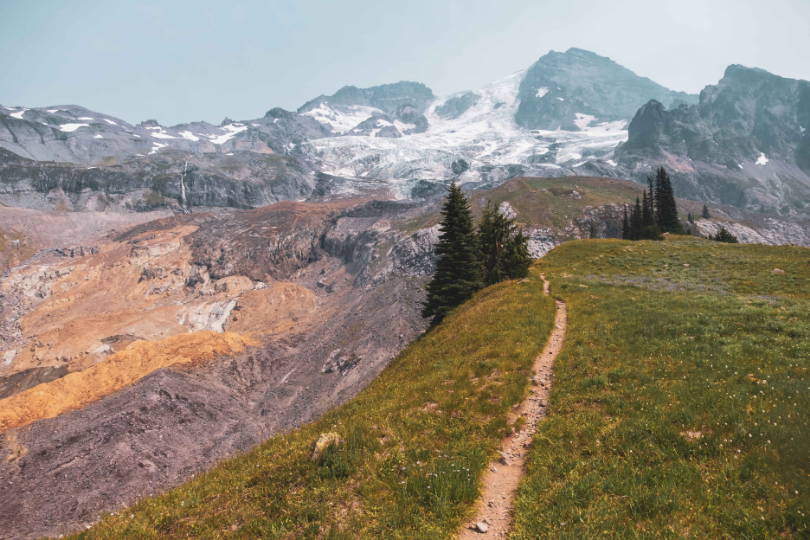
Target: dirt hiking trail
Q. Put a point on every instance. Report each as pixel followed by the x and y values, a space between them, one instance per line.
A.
pixel 493 511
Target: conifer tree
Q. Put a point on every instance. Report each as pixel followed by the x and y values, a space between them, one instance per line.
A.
pixel 516 259
pixel 653 198
pixel 626 225
pixel 504 249
pixel 667 211
pixel 690 218
pixel 458 268
pixel 635 222
pixel 724 236
pixel 706 212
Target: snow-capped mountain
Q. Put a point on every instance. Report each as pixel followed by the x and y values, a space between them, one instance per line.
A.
pixel 567 114
pixel 482 143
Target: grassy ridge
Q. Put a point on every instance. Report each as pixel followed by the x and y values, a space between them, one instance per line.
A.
pixel 681 399
pixel 416 441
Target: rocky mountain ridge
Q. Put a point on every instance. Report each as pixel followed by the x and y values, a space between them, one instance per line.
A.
pixel 569 114
pixel 744 144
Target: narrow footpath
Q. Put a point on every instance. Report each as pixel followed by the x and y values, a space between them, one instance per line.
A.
pixel 493 511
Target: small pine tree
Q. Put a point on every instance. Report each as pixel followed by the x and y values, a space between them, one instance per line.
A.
pixel 516 259
pixel 706 212
pixel 724 236
pixel 504 249
pixel 626 226
pixel 592 231
pixel 458 267
pixel 690 218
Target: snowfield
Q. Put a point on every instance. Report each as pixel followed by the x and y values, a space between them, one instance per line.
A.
pixel 485 136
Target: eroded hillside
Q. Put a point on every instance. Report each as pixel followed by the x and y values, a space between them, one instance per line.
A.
pixel 186 339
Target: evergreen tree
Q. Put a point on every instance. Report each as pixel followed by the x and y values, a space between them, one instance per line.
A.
pixel 724 236
pixel 458 268
pixel 646 215
pixel 516 259
pixel 592 231
pixel 626 225
pixel 690 218
pixel 706 212
pixel 635 222
pixel 653 199
pixel 667 211
pixel 504 249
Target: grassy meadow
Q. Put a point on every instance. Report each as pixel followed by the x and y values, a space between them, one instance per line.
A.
pixel 679 409
pixel 681 398
pixel 415 443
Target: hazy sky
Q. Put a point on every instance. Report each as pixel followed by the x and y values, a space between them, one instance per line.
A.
pixel 179 61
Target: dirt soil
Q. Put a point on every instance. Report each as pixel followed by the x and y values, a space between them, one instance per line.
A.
pixel 289 284
pixel 500 482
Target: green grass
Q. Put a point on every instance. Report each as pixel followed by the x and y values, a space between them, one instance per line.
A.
pixel 544 202
pixel 655 355
pixel 415 443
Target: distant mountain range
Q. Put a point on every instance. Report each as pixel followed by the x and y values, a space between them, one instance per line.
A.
pixel 742 142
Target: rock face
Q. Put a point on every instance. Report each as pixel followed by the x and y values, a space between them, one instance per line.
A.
pixel 151 182
pixel 456 106
pixel 744 144
pixel 561 85
pixel 387 97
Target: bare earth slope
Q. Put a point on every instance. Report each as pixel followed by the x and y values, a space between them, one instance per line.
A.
pixel 313 290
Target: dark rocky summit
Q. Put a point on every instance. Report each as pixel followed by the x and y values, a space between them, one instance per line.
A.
pixel 559 85
pixel 744 144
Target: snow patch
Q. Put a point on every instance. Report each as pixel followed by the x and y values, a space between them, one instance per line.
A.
pixel 189 135
pixel 232 130
pixel 582 120
pixel 561 99
pixel 86 118
pixel 98 137
pixel 72 127
pixel 138 136
pixel 762 159
pixel 18 115
pixel 801 129
pixel 110 122
pixel 344 119
pixel 542 91
pixel 403 127
pixel 157 146
pixel 611 163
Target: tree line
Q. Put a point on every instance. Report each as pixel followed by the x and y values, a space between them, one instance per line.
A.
pixel 470 257
pixel 655 214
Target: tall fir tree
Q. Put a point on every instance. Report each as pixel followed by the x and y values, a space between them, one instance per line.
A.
pixel 504 249
pixel 706 212
pixel 626 225
pixel 653 198
pixel 649 228
pixel 667 211
pixel 636 224
pixel 458 267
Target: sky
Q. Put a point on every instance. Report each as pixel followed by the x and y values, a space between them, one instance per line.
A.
pixel 180 61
